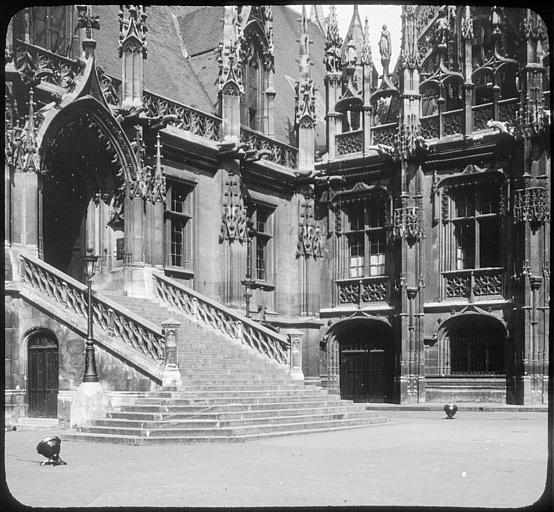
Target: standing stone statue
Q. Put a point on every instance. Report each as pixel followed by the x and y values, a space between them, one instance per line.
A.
pixel 385 50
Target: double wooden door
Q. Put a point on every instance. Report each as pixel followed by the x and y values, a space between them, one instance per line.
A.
pixel 366 373
pixel 42 379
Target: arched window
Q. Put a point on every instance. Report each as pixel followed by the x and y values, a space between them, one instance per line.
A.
pixel 476 348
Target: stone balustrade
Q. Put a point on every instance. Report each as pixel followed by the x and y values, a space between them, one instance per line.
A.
pixel 208 312
pixel 481 282
pixel 363 290
pixel 113 319
pixel 279 152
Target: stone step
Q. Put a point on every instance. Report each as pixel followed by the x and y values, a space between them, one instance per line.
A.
pixel 245 404
pixel 168 424
pixel 225 413
pixel 134 440
pixel 289 426
pixel 238 393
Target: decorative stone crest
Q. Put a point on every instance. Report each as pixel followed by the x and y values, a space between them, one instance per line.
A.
pixel 233 221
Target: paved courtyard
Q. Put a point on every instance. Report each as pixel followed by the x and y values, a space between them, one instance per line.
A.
pixel 479 459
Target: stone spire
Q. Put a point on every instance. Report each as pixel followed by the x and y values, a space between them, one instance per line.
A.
pixel 132 51
pixel 158 181
pixel 86 22
pixel 29 158
pixel 305 99
pixel 365 53
pixel 333 43
pixel 230 73
pixel 318 17
pixel 354 36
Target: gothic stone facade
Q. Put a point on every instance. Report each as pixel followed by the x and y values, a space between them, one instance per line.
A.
pixel 404 230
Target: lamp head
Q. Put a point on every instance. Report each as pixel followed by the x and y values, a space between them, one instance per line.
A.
pixel 90 260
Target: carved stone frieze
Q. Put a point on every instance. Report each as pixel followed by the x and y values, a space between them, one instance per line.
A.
pixel 309 234
pixel 531 205
pixel 407 223
pixel 233 221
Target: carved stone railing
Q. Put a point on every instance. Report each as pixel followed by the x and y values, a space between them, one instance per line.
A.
pixel 482 282
pixel 482 114
pixel 363 290
pixel 430 126
pixel 349 142
pixel 188 118
pixel 385 134
pixel 280 153
pixel 116 321
pixel 508 109
pixel 223 320
pixel 50 67
pixel 453 122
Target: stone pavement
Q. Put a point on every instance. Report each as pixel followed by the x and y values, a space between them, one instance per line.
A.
pixel 478 459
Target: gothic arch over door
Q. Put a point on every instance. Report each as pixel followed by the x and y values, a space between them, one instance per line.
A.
pixel 42 374
pixel 362 360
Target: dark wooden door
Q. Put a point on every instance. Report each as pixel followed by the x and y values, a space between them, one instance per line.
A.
pixel 42 380
pixel 366 374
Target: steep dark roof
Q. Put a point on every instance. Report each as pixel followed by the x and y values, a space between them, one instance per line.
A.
pixel 286 29
pixel 202 29
pixel 192 80
pixel 166 71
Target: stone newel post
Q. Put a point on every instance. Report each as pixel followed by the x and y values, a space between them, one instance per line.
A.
pixel 171 375
pixel 295 338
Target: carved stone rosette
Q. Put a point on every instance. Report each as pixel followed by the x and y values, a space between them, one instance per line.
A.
pixel 233 221
pixel 531 205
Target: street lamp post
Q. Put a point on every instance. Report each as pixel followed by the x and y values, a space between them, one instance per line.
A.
pixel 90 361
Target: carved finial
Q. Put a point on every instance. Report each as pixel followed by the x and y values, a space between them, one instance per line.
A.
pixel 366 47
pixel 132 29
pixel 305 91
pixel 229 53
pixel 30 157
pixel 86 20
pixel 333 43
pixel 158 184
pixel 409 54
pixel 467 24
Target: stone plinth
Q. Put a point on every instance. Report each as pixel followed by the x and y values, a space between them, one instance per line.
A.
pixel 88 401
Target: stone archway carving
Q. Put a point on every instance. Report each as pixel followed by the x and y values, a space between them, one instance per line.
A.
pixel 442 334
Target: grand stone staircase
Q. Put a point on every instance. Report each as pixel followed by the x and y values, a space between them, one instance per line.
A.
pixel 228 393
pixel 234 371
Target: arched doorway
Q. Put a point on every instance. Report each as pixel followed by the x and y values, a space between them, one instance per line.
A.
pixel 82 189
pixel 42 374
pixel 364 350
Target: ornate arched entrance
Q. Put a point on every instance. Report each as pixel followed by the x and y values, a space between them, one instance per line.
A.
pixel 82 189
pixel 362 359
pixel 472 344
pixel 42 374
